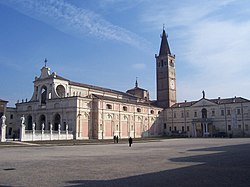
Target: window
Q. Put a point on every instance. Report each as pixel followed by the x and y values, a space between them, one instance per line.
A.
pixel 182 114
pixel 239 126
pixel 175 128
pixel 238 111
pixel 138 110
pixel 246 127
pixel 182 129
pixel 171 63
pixel 170 129
pixel 213 113
pixel 187 114
pixel 60 90
pixel 229 127
pixel 11 116
pixel 222 112
pixel 187 128
pixel 165 125
pixel 43 95
pixel 195 114
pixel 125 108
pixel 204 113
pixel 228 112
pixel 108 106
pixel 151 111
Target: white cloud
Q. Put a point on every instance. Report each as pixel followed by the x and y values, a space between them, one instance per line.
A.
pixel 214 45
pixel 75 21
pixel 139 66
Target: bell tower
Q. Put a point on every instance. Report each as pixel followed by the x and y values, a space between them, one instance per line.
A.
pixel 165 74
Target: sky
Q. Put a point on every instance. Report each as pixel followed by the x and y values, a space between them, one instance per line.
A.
pixel 109 43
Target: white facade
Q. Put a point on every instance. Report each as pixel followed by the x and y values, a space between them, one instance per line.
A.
pixel 62 109
pixel 209 117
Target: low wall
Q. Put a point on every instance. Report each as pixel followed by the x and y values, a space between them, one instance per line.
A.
pixel 41 136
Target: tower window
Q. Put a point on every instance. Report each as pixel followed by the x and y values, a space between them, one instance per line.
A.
pixel 171 63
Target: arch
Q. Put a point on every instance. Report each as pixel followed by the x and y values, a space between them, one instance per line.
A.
pixel 29 121
pixel 204 113
pixel 43 95
pixel 60 90
pixel 57 121
pixel 42 120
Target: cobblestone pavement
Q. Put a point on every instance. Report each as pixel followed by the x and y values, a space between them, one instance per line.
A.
pixel 169 162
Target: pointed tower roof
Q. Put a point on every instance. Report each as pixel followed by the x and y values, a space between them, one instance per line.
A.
pixel 164 50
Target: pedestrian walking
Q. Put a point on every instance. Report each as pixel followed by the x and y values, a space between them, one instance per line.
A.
pixel 114 139
pixel 130 141
pixel 117 139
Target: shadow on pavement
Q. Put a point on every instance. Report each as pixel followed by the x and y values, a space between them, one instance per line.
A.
pixel 229 167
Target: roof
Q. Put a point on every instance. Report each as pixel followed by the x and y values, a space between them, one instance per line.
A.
pixel 216 101
pixel 3 101
pixel 101 89
pixel 164 49
pixel 130 101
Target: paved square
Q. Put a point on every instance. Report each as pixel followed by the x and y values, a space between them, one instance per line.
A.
pixel 171 162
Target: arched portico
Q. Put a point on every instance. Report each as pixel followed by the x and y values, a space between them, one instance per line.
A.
pixel 56 121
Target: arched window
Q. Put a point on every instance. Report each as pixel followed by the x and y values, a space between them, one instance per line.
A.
pixel 152 112
pixel 125 108
pixel 138 110
pixel 57 121
pixel 42 120
pixel 43 95
pixel 204 113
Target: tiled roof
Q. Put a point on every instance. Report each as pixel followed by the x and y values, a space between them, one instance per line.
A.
pixel 130 101
pixel 101 89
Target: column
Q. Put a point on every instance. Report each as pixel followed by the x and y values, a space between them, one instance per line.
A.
pixel 3 132
pixel 67 131
pixel 59 131
pixel 51 131
pixel 22 129
pixel 33 131
pixel 206 129
pixel 42 131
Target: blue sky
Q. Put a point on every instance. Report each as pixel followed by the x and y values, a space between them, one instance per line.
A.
pixel 109 43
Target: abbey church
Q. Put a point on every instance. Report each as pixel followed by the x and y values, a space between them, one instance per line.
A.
pixel 63 109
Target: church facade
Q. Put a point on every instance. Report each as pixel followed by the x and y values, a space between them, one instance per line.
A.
pixel 64 109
